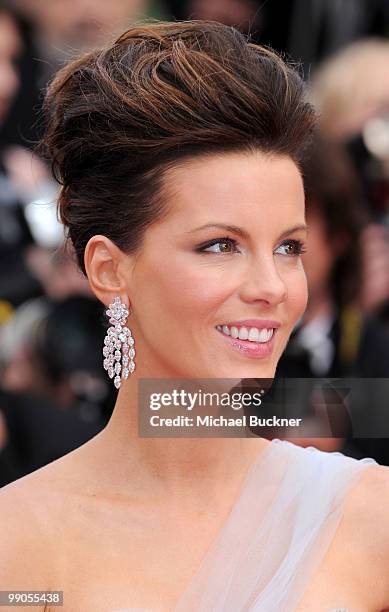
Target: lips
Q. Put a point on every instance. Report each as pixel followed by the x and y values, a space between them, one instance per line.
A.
pixel 249 348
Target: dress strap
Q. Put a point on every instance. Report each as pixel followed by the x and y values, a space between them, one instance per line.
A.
pixel 278 531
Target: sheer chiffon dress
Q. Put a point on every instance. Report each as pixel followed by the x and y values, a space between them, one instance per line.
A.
pixel 279 529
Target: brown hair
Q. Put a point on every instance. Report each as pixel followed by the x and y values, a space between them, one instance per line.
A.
pixel 120 116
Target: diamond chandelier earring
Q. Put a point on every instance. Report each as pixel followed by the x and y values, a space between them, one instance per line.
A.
pixel 118 351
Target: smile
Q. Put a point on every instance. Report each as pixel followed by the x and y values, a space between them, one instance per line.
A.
pixel 252 334
pixel 252 338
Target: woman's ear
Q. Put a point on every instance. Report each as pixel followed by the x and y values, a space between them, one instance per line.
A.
pixel 103 264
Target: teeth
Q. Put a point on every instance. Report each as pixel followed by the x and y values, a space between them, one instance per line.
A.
pixel 265 335
pixel 254 334
pixel 234 332
pixel 243 333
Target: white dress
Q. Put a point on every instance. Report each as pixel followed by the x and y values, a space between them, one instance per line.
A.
pixel 279 529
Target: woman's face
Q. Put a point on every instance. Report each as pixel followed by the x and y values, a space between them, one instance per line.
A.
pixel 224 261
pixel 10 48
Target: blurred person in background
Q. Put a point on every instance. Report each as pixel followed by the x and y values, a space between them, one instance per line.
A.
pixel 51 373
pixel 351 90
pixel 57 273
pixel 11 50
pixel 351 87
pixel 65 27
pixel 34 433
pixel 19 77
pixel 58 355
pixel 335 338
pixel 24 178
pixel 319 28
pixel 308 31
pixel 246 15
pixel 59 29
pixel 36 385
pixel 49 370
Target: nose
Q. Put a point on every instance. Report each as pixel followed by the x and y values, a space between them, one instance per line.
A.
pixel 263 283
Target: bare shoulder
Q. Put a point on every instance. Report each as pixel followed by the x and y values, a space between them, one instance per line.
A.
pixel 33 513
pixel 368 499
pixel 367 521
pixel 24 537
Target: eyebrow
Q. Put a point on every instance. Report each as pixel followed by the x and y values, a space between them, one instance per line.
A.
pixel 241 232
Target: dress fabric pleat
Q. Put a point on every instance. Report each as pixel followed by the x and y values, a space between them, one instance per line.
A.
pixel 277 533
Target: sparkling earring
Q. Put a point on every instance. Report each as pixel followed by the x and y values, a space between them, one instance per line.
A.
pixel 118 351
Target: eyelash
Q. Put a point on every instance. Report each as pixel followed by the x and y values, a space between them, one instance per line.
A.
pixel 297 244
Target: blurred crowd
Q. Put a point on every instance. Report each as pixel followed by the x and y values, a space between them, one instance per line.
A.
pixel 54 394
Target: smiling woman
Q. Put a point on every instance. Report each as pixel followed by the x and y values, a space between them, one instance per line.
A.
pixel 227 259
pixel 178 147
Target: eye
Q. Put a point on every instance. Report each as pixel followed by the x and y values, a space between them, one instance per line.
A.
pixel 292 248
pixel 219 245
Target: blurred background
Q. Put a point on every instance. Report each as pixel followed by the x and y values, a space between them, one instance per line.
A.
pixel 54 394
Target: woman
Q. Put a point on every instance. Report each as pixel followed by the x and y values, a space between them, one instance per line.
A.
pixel 178 148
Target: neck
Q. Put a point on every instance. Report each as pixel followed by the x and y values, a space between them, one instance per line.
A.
pixel 173 465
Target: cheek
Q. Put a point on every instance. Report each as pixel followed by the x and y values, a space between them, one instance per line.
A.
pixel 194 292
pixel 180 294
